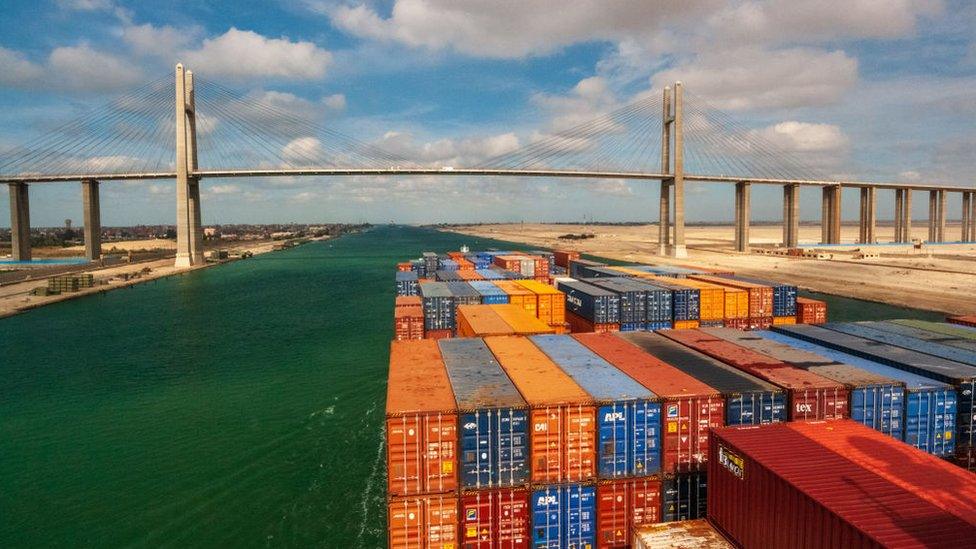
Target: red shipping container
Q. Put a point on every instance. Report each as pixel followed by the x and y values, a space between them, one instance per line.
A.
pixel 407 301
pixel 421 421
pixel 408 323
pixel 964 320
pixel 423 522
pixel 578 324
pixel 689 408
pixel 806 485
pixel 811 396
pixel 810 311
pixel 625 504
pixel 438 334
pixel 496 519
pixel 563 257
pixel 405 267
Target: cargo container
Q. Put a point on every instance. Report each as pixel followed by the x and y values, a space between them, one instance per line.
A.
pixel 967 344
pixel 711 300
pixel 912 343
pixel 685 324
pixel 421 421
pixel 807 484
pixel 628 420
pixel 810 311
pixel 469 275
pixel 550 257
pixel 873 400
pixel 507 274
pixel 481 321
pixel 550 302
pixel 579 268
pixel 564 517
pixel 404 266
pixel 490 293
pixel 784 295
pixel 760 296
pixel 689 534
pixel 563 257
pixel 408 323
pixel 748 399
pixel 492 415
pixel 447 276
pixel 495 519
pixel 578 324
pixel 489 274
pixel 464 294
pixel 562 415
pixel 810 396
pixel 623 505
pixel 447 265
pixel 783 320
pixel 521 264
pixel 423 522
pixel 430 262
pixel 521 321
pixel 417 266
pixel 689 407
pixel 597 305
pixel 518 295
pixel 929 416
pixel 659 300
pixel 438 302
pixel 963 320
pixel 406 283
pixel 684 496
pixel 632 297
pixel 685 301
pixel 438 334
pixel 955 330
pixel 961 376
pixel 408 301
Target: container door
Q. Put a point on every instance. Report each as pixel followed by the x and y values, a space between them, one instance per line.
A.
pixel 441 453
pixel 613 512
pixel 441 522
pixel 579 504
pixel 774 408
pixel 646 429
pixel 405 518
pixel 946 407
pixel 710 413
pixel 477 453
pixel 580 443
pixel 511 432
pixel 965 403
pixel 645 501
pixel 546 519
pixel 616 441
pixel 547 444
pixel 404 454
pixel 917 420
pixel 479 526
pixel 513 519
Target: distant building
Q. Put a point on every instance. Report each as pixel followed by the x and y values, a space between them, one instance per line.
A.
pixel 211 232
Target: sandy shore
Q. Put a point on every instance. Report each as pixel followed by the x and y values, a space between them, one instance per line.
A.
pixel 15 298
pixel 938 277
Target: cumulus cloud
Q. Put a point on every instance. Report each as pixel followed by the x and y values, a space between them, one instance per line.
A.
pixel 17 71
pixel 164 41
pixel 588 99
pixel 74 68
pixel 805 137
pixel 247 54
pixel 447 152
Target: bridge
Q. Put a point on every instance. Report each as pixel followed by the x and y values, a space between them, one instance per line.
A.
pixel 215 132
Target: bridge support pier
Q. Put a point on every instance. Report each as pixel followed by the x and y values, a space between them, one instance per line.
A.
pixel 970 233
pixel 20 243
pixel 830 215
pixel 742 215
pixel 664 217
pixel 937 216
pixel 966 219
pixel 868 220
pixel 189 231
pixel 678 249
pixel 791 215
pixel 93 219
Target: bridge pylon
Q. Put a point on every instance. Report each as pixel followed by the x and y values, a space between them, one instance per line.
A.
pixel 189 231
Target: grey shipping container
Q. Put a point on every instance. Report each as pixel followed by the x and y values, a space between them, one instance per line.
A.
pixel 965 343
pixel 633 299
pixel 908 342
pixel 579 268
pixel 748 399
pixel 406 283
pixel 590 302
pixel 438 304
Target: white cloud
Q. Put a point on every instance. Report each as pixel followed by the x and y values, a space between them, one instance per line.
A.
pixel 805 137
pixel 86 69
pixel 16 71
pixel 164 42
pixel 303 151
pixel 448 152
pixel 336 102
pixel 246 54
pixel 590 98
pixel 86 5
pixel 222 189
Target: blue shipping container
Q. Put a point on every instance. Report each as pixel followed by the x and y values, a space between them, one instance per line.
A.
pixel 406 283
pixel 448 265
pixel 493 421
pixel 685 302
pixel 929 415
pixel 564 517
pixel 488 274
pixel 580 268
pixel 633 298
pixel 659 306
pixel 438 304
pixel 594 304
pixel 628 414
pixel 490 294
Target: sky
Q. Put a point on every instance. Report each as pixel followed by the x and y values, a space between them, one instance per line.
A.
pixel 881 90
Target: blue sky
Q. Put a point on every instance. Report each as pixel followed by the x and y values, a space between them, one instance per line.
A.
pixel 857 88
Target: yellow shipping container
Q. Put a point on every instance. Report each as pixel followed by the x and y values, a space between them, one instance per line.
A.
pixel 521 322
pixel 518 295
pixel 781 320
pixel 550 302
pixel 481 321
pixel 685 324
pixel 736 303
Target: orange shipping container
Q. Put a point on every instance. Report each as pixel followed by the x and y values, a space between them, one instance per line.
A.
pixel 712 302
pixel 562 416
pixel 464 264
pixel 518 295
pixel 404 266
pixel 438 334
pixel 421 421
pixel 685 324
pixel 469 275
pixel 481 321
pixel 408 301
pixel 810 311
pixel 408 323
pixel 424 522
pixel 781 320
pixel 563 257
pixel 550 302
pixel 579 325
pixel 521 322
pixel 760 296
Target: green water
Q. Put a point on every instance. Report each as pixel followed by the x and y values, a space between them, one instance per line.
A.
pixel 235 406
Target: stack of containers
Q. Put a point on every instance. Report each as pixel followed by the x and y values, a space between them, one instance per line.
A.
pixel 447 265
pixel 439 309
pixel 430 263
pixel 835 484
pixel 550 302
pixel 685 301
pixel 493 449
pixel 632 298
pixel 965 343
pixel 748 399
pixel 873 400
pixel 629 437
pixel 663 303
pixel 759 305
pixel 548 256
pixel 810 311
pixel 490 293
pixel 811 396
pixel 711 300
pixel 406 283
pixel 689 409
pixel 929 416
pixel 563 257
pixel 531 266
pixel 464 294
pixel 469 275
pixel 521 322
pixel 581 268
pixel 518 295
pixel 961 376
pixel 405 266
pixel 481 321
pixel 407 301
pixel 562 444
pixel 784 299
pixel 588 308
pixel 506 274
pixel 489 274
pixel 421 448
pixel 408 322
pixel 418 266
pixel 689 534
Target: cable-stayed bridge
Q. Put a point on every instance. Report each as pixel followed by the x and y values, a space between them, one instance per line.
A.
pixel 217 132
